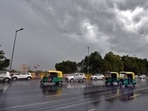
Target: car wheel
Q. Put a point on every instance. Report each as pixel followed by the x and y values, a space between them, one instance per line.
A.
pixel 14 78
pixel 60 83
pixel 71 80
pixel 28 78
pixel 84 79
pixel 95 78
pixel 6 80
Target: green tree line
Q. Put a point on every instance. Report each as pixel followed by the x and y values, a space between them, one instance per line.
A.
pixel 95 63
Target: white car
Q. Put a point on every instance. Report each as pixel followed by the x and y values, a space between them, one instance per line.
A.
pixel 5 76
pixel 16 76
pixel 143 76
pixel 76 77
pixel 97 77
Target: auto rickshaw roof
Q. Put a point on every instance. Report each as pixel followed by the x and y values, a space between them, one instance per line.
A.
pixel 60 74
pixel 114 72
pixel 128 73
pixel 54 71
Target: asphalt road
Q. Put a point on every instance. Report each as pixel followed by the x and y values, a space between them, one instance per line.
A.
pixel 90 96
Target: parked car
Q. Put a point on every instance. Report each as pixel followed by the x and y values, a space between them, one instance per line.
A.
pixel 76 77
pixel 143 76
pixel 97 77
pixel 5 76
pixel 16 76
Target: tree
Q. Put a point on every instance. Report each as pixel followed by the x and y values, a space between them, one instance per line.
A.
pixel 114 62
pixel 111 62
pixel 91 64
pixel 4 62
pixel 95 62
pixel 83 65
pixel 135 64
pixel 66 66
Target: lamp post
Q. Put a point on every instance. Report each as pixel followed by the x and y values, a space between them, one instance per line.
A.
pixel 88 61
pixel 14 46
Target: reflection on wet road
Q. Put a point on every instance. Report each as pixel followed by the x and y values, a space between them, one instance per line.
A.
pixel 89 96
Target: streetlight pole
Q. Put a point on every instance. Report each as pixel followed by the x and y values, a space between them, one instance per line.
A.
pixel 88 61
pixel 14 46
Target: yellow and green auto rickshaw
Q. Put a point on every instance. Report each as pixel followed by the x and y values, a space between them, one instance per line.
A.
pixel 127 78
pixel 111 77
pixel 52 77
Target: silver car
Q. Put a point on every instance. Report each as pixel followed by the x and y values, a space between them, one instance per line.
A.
pixel 97 77
pixel 76 77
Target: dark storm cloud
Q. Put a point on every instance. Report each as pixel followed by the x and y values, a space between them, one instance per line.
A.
pixel 131 4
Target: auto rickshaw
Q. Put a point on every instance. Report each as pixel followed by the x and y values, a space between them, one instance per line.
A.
pixel 111 77
pixel 52 77
pixel 127 78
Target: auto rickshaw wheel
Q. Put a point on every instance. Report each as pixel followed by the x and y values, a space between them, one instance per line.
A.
pixel 60 82
pixel 126 86
pixel 41 84
pixel 106 83
pixel 111 84
pixel 133 84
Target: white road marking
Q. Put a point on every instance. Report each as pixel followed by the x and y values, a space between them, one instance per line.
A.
pixel 91 109
pixel 134 96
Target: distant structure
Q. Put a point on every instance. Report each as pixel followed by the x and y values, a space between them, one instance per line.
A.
pixel 23 68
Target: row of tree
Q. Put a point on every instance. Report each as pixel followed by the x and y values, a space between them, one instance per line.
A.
pixel 111 62
pixel 94 63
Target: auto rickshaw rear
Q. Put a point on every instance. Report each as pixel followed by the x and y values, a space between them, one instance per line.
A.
pixel 111 77
pixel 52 77
pixel 128 79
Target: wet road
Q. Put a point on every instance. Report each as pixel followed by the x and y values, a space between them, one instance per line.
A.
pixel 89 96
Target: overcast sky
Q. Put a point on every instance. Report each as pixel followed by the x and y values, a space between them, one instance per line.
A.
pixel 60 30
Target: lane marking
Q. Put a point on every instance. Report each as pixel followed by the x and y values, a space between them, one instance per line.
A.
pixel 134 96
pixel 91 109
